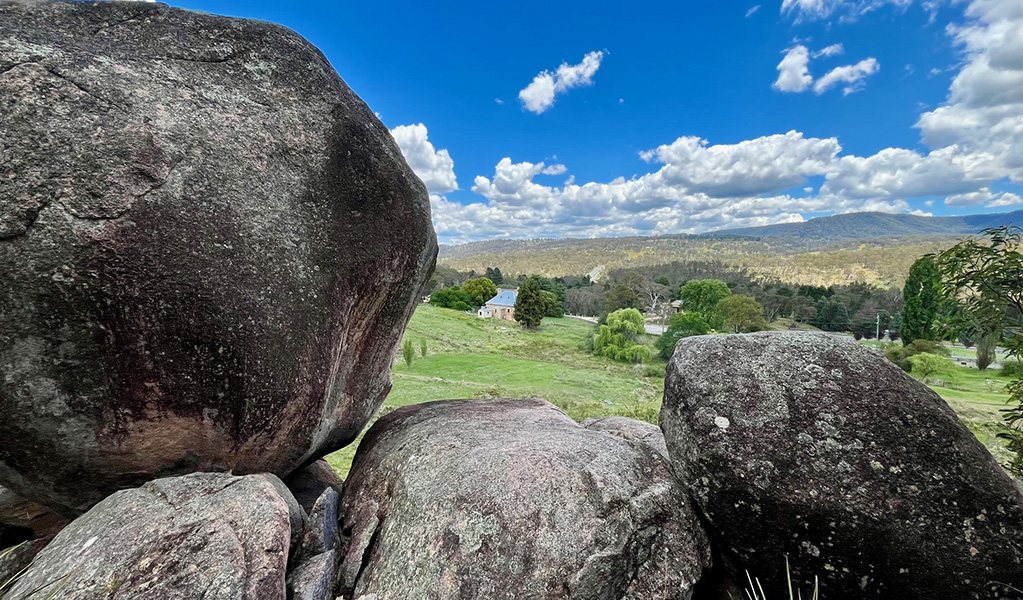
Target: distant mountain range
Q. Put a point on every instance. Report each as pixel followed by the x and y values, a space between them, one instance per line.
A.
pixel 867 225
pixel 866 247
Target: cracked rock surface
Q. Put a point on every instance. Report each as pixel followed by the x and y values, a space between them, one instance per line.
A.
pixel 511 499
pixel 209 247
pixel 206 535
pixel 814 447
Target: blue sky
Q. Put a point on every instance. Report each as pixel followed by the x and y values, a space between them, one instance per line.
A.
pixel 592 119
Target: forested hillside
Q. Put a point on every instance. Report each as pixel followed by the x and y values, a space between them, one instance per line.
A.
pixel 880 261
pixel 872 248
pixel 858 226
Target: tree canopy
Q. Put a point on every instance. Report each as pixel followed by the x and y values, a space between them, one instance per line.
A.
pixel 680 325
pixel 617 338
pixel 454 298
pixel 617 298
pixel 481 289
pixel 922 296
pixel 495 275
pixel 532 303
pixel 703 295
pixel 741 314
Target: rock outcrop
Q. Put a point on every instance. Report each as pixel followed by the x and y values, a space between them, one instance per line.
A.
pixel 814 447
pixel 209 247
pixel 630 429
pixel 308 483
pixel 512 499
pixel 205 535
pixel 22 520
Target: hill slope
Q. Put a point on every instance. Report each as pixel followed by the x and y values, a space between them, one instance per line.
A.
pixel 830 250
pixel 867 225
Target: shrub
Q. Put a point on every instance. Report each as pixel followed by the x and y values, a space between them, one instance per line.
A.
pixel 680 325
pixel 1012 368
pixel 408 352
pixel 900 354
pixel 422 347
pixel 931 367
pixel 454 298
pixel 616 339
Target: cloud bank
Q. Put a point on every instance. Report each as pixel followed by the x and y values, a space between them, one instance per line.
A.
pixel 974 140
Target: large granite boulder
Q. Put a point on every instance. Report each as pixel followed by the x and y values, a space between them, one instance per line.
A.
pixel 511 499
pixel 209 247
pixel 814 447
pixel 205 535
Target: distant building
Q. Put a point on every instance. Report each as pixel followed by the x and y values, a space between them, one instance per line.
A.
pixel 501 306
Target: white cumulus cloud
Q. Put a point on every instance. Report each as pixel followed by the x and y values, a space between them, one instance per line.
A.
pixel 850 75
pixel 793 70
pixel 832 50
pixel 1006 199
pixel 434 167
pixel 981 196
pixel 539 95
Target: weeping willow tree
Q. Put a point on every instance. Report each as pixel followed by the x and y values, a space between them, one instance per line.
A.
pixel 985 277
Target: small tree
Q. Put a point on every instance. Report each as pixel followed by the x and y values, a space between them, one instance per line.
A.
pixel 422 347
pixel 986 346
pixel 929 367
pixel 702 296
pixel 481 289
pixel 408 352
pixel 617 298
pixel 741 314
pixel 616 339
pixel 531 304
pixel 922 296
pixel 680 325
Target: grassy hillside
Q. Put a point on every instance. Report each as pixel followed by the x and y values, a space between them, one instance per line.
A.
pixel 469 357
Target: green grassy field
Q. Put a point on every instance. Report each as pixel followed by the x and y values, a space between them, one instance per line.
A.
pixel 468 357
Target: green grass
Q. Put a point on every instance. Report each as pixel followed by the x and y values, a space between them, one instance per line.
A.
pixel 470 357
pixel 978 397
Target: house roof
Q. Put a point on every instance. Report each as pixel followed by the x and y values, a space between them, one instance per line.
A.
pixel 503 298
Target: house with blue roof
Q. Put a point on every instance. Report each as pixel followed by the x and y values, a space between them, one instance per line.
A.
pixel 501 306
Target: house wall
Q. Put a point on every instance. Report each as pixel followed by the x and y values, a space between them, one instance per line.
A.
pixel 502 312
